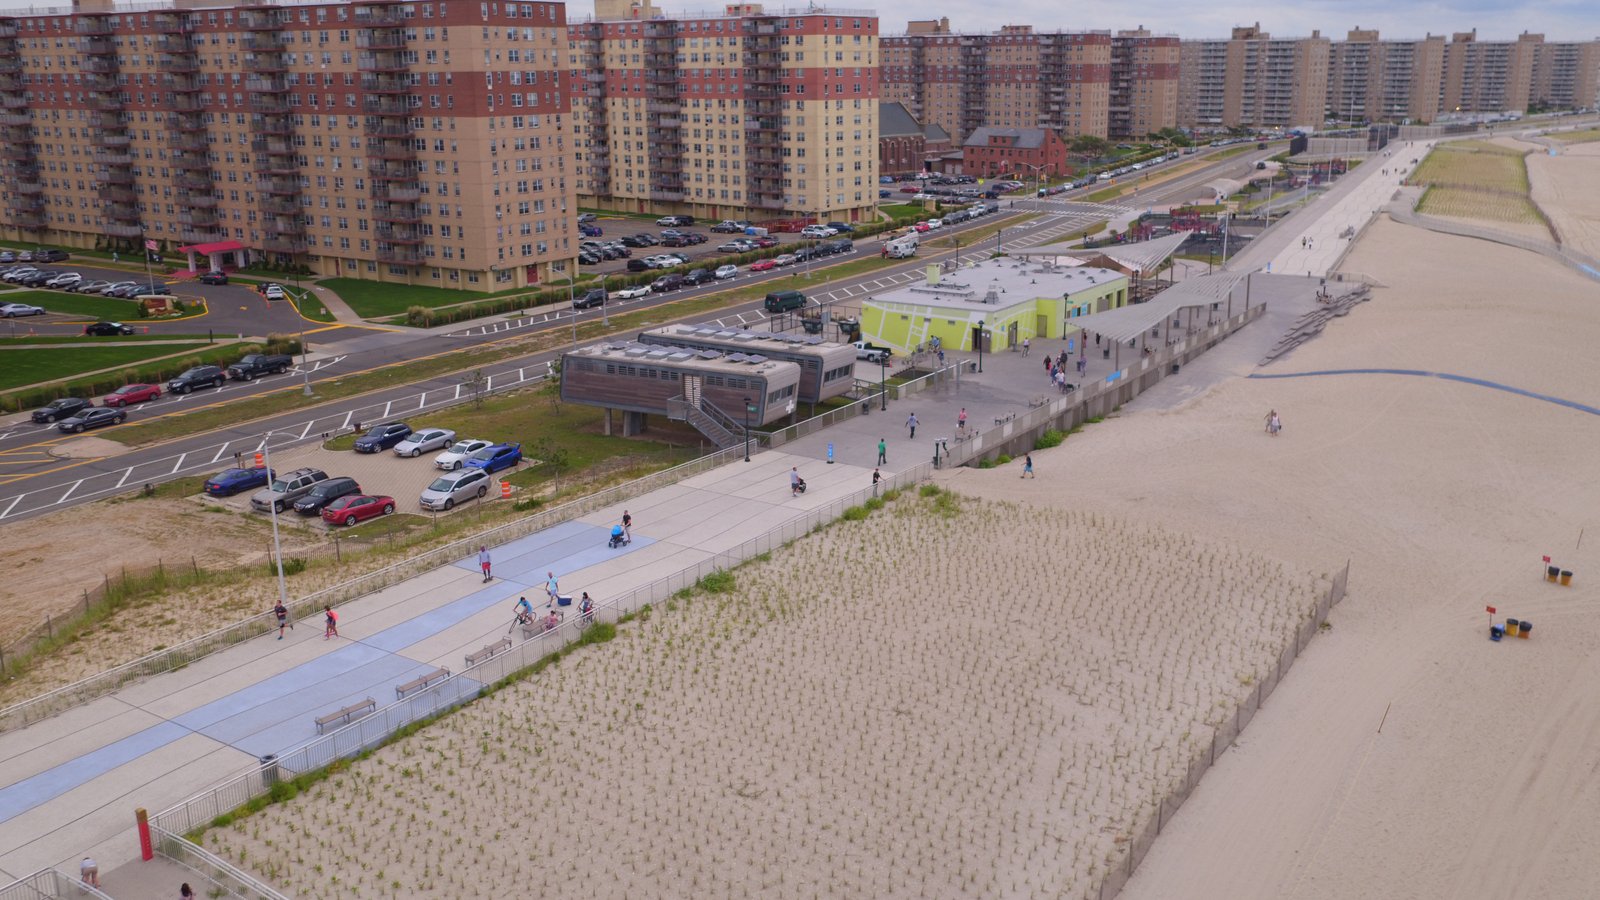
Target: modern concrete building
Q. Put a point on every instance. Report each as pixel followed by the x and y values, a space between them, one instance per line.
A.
pixel 1375 80
pixel 1010 299
pixel 413 142
pixel 740 114
pixel 1254 80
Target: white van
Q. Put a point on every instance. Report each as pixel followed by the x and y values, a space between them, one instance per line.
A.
pixel 902 247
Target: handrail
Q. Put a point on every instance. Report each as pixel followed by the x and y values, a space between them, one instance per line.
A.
pixel 49 883
pixel 233 881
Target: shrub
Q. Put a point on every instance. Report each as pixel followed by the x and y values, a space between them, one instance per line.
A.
pixel 854 514
pixel 1051 438
pixel 1004 458
pixel 527 503
pixel 419 317
pixel 930 490
pixel 874 503
pixel 985 463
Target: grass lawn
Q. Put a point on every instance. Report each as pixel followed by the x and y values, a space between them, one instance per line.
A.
pixel 78 304
pixel 372 299
pixel 903 210
pixel 96 342
pixel 1102 196
pixel 33 366
pixel 313 309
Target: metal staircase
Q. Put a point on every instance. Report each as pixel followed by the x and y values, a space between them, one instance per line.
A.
pixel 706 418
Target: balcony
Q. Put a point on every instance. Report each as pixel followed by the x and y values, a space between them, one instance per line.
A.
pixel 269 104
pixel 122 212
pixel 17 151
pixel 98 46
pixel 106 102
pixel 193 182
pixel 368 17
pixel 277 148
pixel 382 61
pixel 381 128
pixel 119 195
pixel 666 194
pixel 92 24
pixel 374 83
pixel 398 235
pixel 197 218
pixel 392 172
pixel 100 66
pixel 188 122
pixel 263 43
pixel 105 84
pixel 381 40
pixel 200 201
pixel 183 83
pixel 180 62
pixel 15 119
pixel 24 171
pixel 281 186
pixel 259 20
pixel 277 206
pixel 401 256
pixel 30 220
pixel 115 139
pixel 280 166
pixel 8 30
pixel 395 193
pixel 274 125
pixel 186 103
pixel 112 159
pixel 191 235
pixel 29 187
pixel 119 175
pixel 662 76
pixel 378 106
pixel 283 245
pixel 172 23
pixel 13 100
pixel 402 214
pixel 267 84
pixel 390 149
pixel 123 229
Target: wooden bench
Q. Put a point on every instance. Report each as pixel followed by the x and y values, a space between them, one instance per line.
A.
pixel 348 714
pixel 488 651
pixel 400 690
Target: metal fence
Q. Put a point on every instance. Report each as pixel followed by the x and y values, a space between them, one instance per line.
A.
pixel 1093 399
pixel 867 394
pixel 225 878
pixel 48 884
pixel 68 696
pixel 469 683
pixel 1222 737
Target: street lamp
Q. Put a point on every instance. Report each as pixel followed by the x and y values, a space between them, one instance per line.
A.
pixel 748 406
pixel 572 278
pixel 883 378
pixel 277 548
pixel 978 339
pixel 1038 177
pixel 305 352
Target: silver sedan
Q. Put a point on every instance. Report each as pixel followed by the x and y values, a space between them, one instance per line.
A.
pixel 425 440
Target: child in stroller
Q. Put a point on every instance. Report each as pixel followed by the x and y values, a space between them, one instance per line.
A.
pixel 619 538
pixel 799 486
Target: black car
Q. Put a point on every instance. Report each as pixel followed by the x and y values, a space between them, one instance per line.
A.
pixel 40 277
pixel 590 299
pixel 842 245
pixel 634 240
pixel 676 240
pixel 102 329
pixel 381 437
pixel 324 493
pixel 198 377
pixel 589 258
pixel 65 408
pixel 667 283
pixel 694 237
pixel 698 276
pixel 94 417
pixel 638 265
pixel 213 278
pixel 50 256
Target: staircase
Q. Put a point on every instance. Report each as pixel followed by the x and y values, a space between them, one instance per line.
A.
pixel 689 407
pixel 712 429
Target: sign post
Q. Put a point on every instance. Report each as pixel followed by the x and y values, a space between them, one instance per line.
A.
pixel 1491 615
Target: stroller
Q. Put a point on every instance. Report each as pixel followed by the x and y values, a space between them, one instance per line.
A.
pixel 619 538
pixel 799 486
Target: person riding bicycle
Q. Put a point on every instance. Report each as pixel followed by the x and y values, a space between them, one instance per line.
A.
pixel 586 608
pixel 524 610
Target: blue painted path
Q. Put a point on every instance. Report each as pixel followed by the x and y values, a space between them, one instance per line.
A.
pixel 1423 373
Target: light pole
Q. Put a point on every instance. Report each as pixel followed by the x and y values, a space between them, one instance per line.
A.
pixel 978 339
pixel 305 353
pixel 277 548
pixel 572 278
pixel 883 379
pixel 747 407
pixel 1038 178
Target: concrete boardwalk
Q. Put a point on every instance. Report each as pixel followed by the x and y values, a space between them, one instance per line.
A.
pixel 72 782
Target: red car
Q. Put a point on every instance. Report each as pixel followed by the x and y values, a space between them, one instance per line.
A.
pixel 132 393
pixel 764 265
pixel 909 189
pixel 353 508
pixel 765 241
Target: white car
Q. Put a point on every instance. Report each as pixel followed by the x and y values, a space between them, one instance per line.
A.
pixel 455 487
pixel 633 293
pixel 19 273
pixel 452 458
pixel 64 281
pixel 274 292
pixel 817 231
pixel 425 440
pixel 12 310
pixel 117 286
pixel 935 223
pixel 725 272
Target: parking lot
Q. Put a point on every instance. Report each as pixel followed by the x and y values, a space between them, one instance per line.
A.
pixel 704 253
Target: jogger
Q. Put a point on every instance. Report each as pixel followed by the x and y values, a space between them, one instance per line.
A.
pixel 282 612
pixel 331 623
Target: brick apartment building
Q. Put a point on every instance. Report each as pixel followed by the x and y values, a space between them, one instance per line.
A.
pixel 1374 80
pixel 413 142
pixel 740 114
pixel 1027 153
pixel 1253 79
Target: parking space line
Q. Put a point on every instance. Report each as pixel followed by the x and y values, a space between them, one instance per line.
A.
pixel 220 450
pixel 125 473
pixel 12 505
pixel 307 430
pixel 70 490
pixel 347 420
pixel 179 464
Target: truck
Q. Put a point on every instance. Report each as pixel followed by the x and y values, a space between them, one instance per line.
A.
pixel 872 352
pixel 255 364
pixel 901 247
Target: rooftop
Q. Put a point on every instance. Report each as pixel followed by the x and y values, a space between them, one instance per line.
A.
pixel 755 340
pixel 711 360
pixel 997 284
pixel 1023 138
pixel 894 120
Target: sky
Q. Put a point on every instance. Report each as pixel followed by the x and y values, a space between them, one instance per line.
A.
pixel 1566 20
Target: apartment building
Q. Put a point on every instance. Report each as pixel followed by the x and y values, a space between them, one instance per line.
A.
pixel 1144 83
pixel 740 114
pixel 1253 79
pixel 412 142
pixel 1376 80
pixel 1566 76
pixel 1488 76
pixel 1020 78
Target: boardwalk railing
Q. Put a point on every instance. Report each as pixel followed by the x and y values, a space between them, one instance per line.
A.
pixel 48 884
pixel 227 880
pixel 200 810
pixel 77 693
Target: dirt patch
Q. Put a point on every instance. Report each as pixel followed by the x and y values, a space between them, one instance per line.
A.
pixel 87 447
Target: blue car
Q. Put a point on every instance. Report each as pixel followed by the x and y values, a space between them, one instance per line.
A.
pixel 588 230
pixel 381 437
pixel 493 459
pixel 231 481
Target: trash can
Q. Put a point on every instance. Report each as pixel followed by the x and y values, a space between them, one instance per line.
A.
pixel 1511 627
pixel 1496 632
pixel 1551 573
pixel 1105 352
pixel 1566 577
pixel 1524 627
pixel 1175 367
pixel 269 769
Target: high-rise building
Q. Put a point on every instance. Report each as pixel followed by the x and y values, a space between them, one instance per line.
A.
pixel 1566 76
pixel 1374 80
pixel 1488 76
pixel 1254 80
pixel 1020 78
pixel 419 142
pixel 743 114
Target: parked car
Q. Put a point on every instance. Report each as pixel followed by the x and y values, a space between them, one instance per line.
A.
pixel 102 329
pixel 817 231
pixel 590 299
pixel 763 265
pixel 634 293
pixel 787 259
pixel 637 240
pixel 638 265
pixel 50 256
pixel 764 241
pixel 728 226
pixel 696 277
pixel 727 271
pixel 285 489
pixel 493 459
pixel 935 224
pixel 584 218
pixel 455 487
pixel 675 220
pixel 842 227
pixel 740 246
pixel 425 440
pixel 456 455
pixel 667 283
pixel 382 437
pixel 12 310
pixel 589 258
pixel 677 240
pixel 89 287
pixel 273 292
pixel 213 278
pixel 324 493
pixel 108 290
pixel 38 277
pixel 64 281
pixel 7 256
pixel 357 508
pixel 587 230
pixel 197 377
pixel 56 410
pixel 17 274
pixel 254 365
pixel 130 394
pixel 93 417
pixel 232 481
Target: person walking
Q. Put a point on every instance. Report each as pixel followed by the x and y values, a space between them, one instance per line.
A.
pixel 186 892
pixel 794 480
pixel 483 561
pixel 1027 465
pixel 627 526
pixel 961 419
pixel 1273 423
pixel 911 423
pixel 1025 345
pixel 876 477
pixel 89 871
pixel 1083 365
pixel 883 452
pixel 551 587
pixel 330 620
pixel 282 612
pixel 586 609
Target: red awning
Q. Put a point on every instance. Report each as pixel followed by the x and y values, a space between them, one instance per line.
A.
pixel 218 247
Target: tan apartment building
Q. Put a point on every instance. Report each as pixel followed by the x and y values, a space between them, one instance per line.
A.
pixel 1254 80
pixel 1144 83
pixel 1374 80
pixel 741 114
pixel 1020 78
pixel 413 142
pixel 1488 76
pixel 1566 76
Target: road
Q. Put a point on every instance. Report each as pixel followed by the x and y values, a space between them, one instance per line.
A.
pixel 35 480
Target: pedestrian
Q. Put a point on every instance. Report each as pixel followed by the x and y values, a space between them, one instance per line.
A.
pixel 186 892
pixel 483 561
pixel 330 619
pixel 282 612
pixel 911 423
pixel 794 477
pixel 1302 242
pixel 89 871
pixel 1027 465
pixel 1025 345
pixel 941 357
pixel 116 257
pixel 883 453
pixel 876 477
pixel 1083 365
pixel 627 526
pixel 551 587
pixel 1048 364
pixel 1274 424
pixel 1273 414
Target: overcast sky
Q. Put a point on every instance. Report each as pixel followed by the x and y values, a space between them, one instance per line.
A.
pixel 1494 19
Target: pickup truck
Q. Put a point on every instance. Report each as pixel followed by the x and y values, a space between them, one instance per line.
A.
pixel 257 364
pixel 872 352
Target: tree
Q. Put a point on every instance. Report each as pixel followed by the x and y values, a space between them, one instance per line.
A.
pixel 1090 145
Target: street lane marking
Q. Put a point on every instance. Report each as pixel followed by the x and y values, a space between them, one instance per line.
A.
pixel 178 465
pixel 13 505
pixel 220 450
pixel 70 490
pixel 125 473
